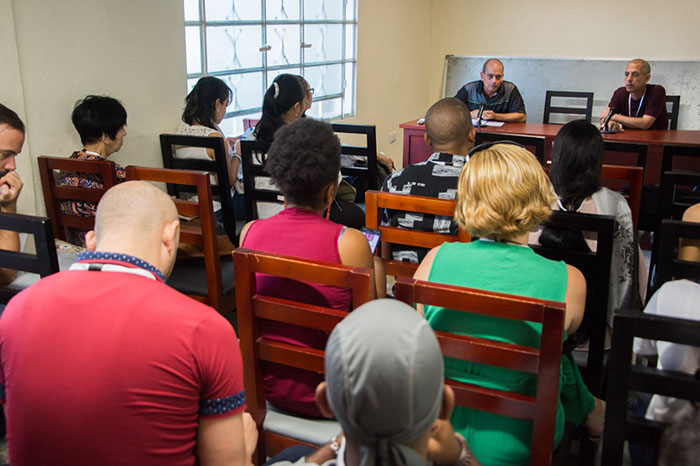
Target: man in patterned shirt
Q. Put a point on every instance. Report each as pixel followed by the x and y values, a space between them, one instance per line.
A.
pixel 106 364
pixel 448 128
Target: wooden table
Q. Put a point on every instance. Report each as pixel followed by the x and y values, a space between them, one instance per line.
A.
pixel 415 149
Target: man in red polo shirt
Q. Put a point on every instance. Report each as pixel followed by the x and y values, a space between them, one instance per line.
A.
pixel 105 364
pixel 639 105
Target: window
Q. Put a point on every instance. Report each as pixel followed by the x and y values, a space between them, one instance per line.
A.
pixel 249 42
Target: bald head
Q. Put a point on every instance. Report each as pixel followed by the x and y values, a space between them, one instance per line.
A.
pixel 133 211
pixel 448 123
pixel 492 61
pixel 645 68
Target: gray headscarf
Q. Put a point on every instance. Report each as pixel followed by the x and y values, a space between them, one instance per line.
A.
pixel 385 380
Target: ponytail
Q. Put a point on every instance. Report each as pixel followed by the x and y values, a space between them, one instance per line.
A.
pixel 200 103
pixel 280 97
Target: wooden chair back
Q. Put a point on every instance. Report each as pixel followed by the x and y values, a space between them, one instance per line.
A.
pixel 253 307
pixel 51 169
pixel 685 156
pixel 368 151
pixel 616 153
pixel 376 202
pixel 44 262
pixel 619 425
pixel 668 266
pixel 253 158
pixel 202 235
pixel 627 176
pixel 586 112
pixel 544 361
pixel 675 104
pixel 534 144
pixel 595 266
pixel 221 191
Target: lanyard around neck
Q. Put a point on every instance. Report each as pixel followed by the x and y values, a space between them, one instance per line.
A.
pixel 639 108
pixel 97 267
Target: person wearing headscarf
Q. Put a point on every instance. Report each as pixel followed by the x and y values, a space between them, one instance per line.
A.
pixel 385 386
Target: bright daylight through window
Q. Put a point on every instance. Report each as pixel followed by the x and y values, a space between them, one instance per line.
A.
pixel 249 42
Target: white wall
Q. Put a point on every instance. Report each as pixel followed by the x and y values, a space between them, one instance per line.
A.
pixel 132 50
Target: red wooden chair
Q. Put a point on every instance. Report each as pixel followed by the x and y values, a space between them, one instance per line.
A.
pixel 50 169
pixel 280 430
pixel 208 280
pixel 375 201
pixel 543 361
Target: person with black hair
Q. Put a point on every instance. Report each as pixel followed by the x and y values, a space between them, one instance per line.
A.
pixel 285 101
pixel 205 109
pixel 11 142
pixel 101 124
pixel 303 162
pixel 576 174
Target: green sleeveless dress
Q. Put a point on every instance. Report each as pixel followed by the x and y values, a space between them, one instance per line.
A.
pixel 517 270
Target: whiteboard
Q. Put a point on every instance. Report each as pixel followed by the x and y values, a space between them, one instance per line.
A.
pixel 534 76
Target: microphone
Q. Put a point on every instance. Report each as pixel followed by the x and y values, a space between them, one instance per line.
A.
pixel 612 112
pixel 478 115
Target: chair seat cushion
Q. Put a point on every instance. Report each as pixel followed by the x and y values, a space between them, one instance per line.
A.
pixel 314 431
pixel 191 277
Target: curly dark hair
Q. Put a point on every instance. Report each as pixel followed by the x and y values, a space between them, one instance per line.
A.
pixel 303 159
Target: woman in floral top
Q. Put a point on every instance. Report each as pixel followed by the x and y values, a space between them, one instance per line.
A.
pixel 101 123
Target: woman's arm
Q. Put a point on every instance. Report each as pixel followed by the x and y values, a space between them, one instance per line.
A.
pixel 690 249
pixel 423 272
pixel 231 161
pixel 354 251
pixel 575 299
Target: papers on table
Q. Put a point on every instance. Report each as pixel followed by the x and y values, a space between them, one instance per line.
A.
pixel 496 124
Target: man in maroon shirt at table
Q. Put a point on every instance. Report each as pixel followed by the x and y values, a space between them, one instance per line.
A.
pixel 106 364
pixel 638 105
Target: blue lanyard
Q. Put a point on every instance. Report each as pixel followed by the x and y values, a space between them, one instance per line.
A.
pixel 629 104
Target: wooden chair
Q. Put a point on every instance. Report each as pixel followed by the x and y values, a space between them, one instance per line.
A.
pixel 534 144
pixel 368 151
pixel 209 280
pixel 280 430
pixel 376 201
pixel 614 149
pixel 673 153
pixel 543 361
pixel 54 195
pixel 44 262
pixel 619 426
pixel 586 111
pixel 675 103
pixel 668 266
pixel 253 158
pixel 595 266
pixel 627 176
pixel 221 191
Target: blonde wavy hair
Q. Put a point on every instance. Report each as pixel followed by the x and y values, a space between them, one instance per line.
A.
pixel 502 193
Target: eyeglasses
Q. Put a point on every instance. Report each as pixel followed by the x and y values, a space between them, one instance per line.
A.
pixel 487 145
pixel 310 91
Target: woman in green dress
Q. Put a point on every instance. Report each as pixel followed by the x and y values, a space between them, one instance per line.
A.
pixel 503 193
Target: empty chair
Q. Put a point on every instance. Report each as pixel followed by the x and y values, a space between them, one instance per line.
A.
pixel 680 158
pixel 674 102
pixel 586 111
pixel 280 429
pixel 359 161
pixel 630 177
pixel 668 265
pixel 208 279
pixel 43 262
pixel 540 355
pixel 59 199
pixel 376 202
pixel 614 153
pixel 534 144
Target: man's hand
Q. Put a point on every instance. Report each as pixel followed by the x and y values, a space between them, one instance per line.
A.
pixel 232 142
pixel 474 114
pixel 10 187
pixel 250 433
pixel 488 115
pixel 615 127
pixel 385 160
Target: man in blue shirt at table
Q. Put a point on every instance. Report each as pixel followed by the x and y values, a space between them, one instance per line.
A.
pixel 501 99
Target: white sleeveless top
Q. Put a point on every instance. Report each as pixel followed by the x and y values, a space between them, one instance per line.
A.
pixel 183 152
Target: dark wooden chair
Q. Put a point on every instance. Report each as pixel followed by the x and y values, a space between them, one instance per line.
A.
pixel 614 149
pixel 632 177
pixel 668 266
pixel 376 202
pixel 257 184
pixel 619 426
pixel 43 263
pixel 279 430
pixel 221 191
pixel 367 170
pixel 680 154
pixel 51 169
pixel 675 103
pixel 534 144
pixel 595 266
pixel 543 361
pixel 208 279
pixel 586 112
